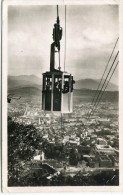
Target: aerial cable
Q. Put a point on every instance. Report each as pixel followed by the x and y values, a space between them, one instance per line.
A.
pixel 97 90
pixel 59 60
pixel 103 84
pixel 65 42
pixel 58 23
pixel 57 11
pixel 61 122
pixel 64 62
pixel 89 113
pixel 107 83
pixel 105 88
pixel 105 70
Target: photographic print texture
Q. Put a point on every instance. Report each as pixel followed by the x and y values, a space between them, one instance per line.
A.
pixel 63 95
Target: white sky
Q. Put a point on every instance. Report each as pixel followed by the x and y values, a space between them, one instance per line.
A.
pixel 92 31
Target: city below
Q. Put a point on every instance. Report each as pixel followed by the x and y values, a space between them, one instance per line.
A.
pixel 70 150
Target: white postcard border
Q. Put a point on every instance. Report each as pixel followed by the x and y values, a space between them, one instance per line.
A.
pixel 5 188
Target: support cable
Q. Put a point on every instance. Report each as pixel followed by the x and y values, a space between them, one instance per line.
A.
pixel 59 60
pixel 89 113
pixel 97 90
pixel 105 69
pixel 57 11
pixel 64 61
pixel 103 85
pixel 65 42
pixel 61 121
pixel 106 84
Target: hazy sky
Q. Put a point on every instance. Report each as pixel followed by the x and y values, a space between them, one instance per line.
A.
pixel 92 31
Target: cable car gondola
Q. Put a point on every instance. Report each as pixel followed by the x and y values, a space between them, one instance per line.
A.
pixel 57 88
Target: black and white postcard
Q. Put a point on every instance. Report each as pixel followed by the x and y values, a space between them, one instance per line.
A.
pixel 62 105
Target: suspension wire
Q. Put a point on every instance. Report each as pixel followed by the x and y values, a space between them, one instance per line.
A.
pixel 103 85
pixel 97 90
pixel 105 69
pixel 64 62
pixel 104 90
pixel 57 11
pixel 61 122
pixel 65 42
pixel 107 83
pixel 89 113
pixel 59 60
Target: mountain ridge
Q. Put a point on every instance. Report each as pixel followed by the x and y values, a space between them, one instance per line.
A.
pixel 34 81
pixel 93 84
pixel 79 95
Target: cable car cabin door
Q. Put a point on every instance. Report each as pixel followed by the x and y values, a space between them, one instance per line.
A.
pixel 57 93
pixel 67 94
pixel 47 92
pixel 52 91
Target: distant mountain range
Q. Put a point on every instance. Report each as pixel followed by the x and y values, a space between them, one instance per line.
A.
pixel 34 81
pixel 24 81
pixel 84 90
pixel 93 85
pixel 25 91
